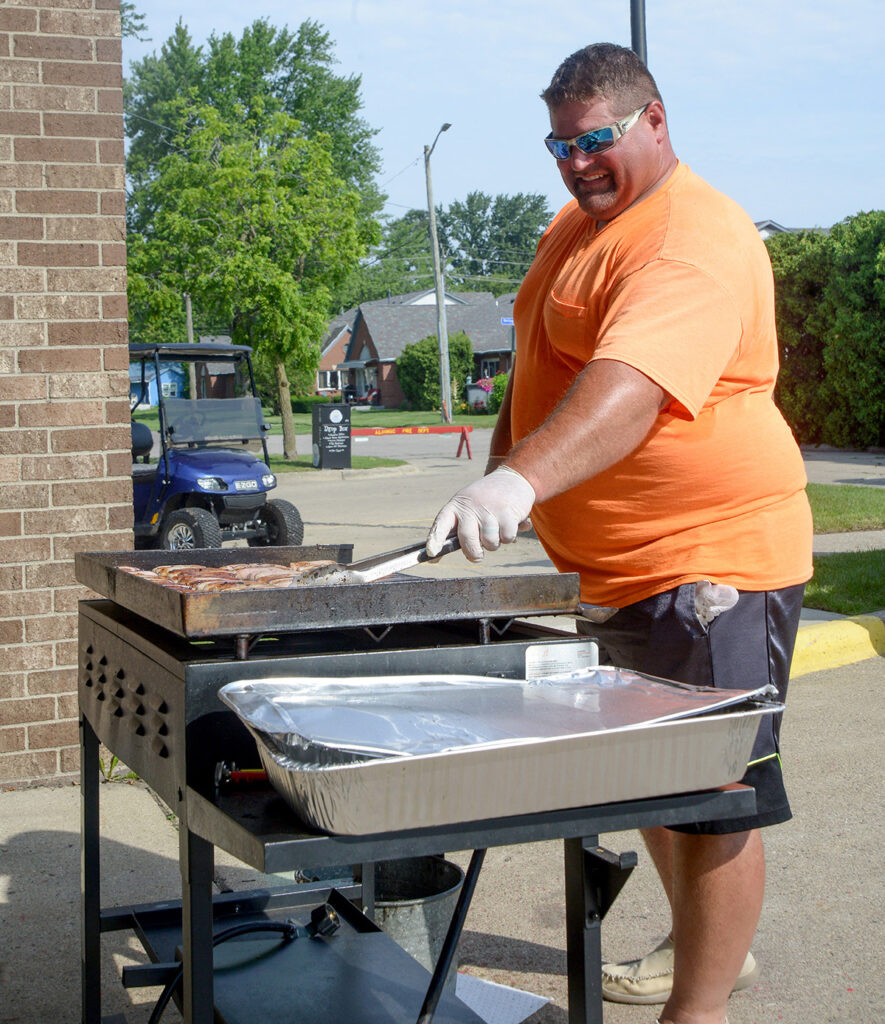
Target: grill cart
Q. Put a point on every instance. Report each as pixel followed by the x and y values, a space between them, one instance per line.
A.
pixel 152 663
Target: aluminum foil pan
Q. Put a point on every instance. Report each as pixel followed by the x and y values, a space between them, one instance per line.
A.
pixel 363 755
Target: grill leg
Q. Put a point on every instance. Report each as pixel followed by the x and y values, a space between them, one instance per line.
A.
pixel 196 858
pixel 90 881
pixel 583 943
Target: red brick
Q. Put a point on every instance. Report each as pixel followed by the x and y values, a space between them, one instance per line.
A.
pixel 19 70
pixel 23 442
pixel 21 176
pixel 118 359
pixel 52 48
pixel 60 360
pixel 45 98
pixel 99 332
pixel 29 766
pixel 69 761
pixel 50 574
pixel 83 126
pixel 17 496
pixel 12 739
pixel 68 706
pixel 93 176
pixel 98 279
pixel 110 50
pixel 12 631
pixel 65 521
pixel 34 602
pixel 59 467
pixel 20 334
pixel 10 525
pixel 20 712
pixel 83 385
pixel 58 254
pixel 79 23
pixel 55 201
pixel 21 227
pixel 61 414
pixel 67 599
pixel 7 307
pixel 15 279
pixel 98 492
pixel 110 101
pixel 58 307
pixel 111 152
pixel 113 203
pixel 36 549
pixel 120 464
pixel 19 124
pixel 7 416
pixel 17 20
pixel 113 255
pixel 89 440
pixel 67 651
pixel 97 229
pixel 57 680
pixel 50 627
pixel 56 734
pixel 120 517
pixel 58 73
pixel 60 151
pixel 12 685
pixel 114 307
pixel 101 542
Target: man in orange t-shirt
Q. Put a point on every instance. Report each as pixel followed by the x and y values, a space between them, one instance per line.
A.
pixel 640 433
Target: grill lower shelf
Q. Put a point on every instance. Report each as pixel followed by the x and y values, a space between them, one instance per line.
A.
pixel 358 975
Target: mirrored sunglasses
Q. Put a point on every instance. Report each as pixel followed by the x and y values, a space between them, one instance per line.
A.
pixel 597 141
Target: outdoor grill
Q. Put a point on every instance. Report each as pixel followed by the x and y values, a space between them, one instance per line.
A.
pixel 152 661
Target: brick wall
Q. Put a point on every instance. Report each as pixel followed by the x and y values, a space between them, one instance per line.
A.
pixel 64 413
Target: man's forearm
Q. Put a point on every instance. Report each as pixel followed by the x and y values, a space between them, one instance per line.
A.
pixel 607 413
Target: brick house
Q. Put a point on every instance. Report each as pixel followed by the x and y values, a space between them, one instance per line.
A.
pixel 64 408
pixel 374 334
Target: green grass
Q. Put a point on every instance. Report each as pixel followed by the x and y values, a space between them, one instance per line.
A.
pixel 848 583
pixel 841 508
pixel 304 463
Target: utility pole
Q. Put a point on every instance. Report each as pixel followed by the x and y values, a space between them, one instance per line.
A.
pixel 637 30
pixel 442 332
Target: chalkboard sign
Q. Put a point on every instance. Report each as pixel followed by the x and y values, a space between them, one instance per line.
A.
pixel 331 436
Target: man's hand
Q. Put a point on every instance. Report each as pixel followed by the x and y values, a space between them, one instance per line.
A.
pixel 486 514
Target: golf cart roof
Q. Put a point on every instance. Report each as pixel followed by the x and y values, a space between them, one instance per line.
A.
pixel 189 353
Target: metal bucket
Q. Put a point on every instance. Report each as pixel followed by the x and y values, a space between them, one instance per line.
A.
pixel 414 901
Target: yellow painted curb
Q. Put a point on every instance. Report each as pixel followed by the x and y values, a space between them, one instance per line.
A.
pixel 840 642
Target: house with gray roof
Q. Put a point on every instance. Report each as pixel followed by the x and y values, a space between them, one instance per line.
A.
pixel 377 332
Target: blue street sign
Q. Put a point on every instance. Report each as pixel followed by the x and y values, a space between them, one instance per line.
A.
pixel 506 321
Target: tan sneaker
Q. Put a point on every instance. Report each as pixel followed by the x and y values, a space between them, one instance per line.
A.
pixel 650 980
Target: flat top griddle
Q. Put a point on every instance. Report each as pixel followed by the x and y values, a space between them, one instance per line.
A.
pixel 400 599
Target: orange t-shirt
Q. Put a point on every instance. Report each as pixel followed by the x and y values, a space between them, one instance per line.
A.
pixel 679 287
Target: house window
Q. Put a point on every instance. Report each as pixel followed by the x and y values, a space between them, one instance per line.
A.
pixel 170 389
pixel 489 367
pixel 328 379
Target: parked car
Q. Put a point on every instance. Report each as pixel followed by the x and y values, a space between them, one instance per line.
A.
pixel 210 478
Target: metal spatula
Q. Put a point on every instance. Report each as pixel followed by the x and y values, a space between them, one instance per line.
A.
pixel 367 570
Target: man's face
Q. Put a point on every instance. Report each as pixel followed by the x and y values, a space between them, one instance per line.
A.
pixel 605 184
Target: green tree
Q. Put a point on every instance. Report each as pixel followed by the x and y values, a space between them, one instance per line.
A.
pixel 417 369
pixel 251 79
pixel 802 265
pixel 132 23
pixel 489 242
pixel 853 310
pixel 252 221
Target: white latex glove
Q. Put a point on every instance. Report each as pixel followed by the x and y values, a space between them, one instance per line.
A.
pixel 487 513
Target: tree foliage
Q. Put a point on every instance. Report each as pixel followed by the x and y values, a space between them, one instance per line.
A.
pixel 249 80
pixel 830 294
pixel 486 244
pixel 252 221
pixel 417 369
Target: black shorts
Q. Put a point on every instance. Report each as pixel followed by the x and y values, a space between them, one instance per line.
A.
pixel 746 646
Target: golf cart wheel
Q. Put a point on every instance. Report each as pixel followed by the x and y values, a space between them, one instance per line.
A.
pixel 190 528
pixel 283 522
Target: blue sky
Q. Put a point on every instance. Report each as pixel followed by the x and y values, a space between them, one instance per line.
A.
pixel 777 104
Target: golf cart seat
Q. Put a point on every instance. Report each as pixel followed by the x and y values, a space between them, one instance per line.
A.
pixel 142 442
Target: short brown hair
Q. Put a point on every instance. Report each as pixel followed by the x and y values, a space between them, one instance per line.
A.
pixel 602 69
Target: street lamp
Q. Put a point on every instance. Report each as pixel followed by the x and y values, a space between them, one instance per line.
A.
pixel 442 334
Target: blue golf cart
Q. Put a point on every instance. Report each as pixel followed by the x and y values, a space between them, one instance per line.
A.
pixel 209 478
